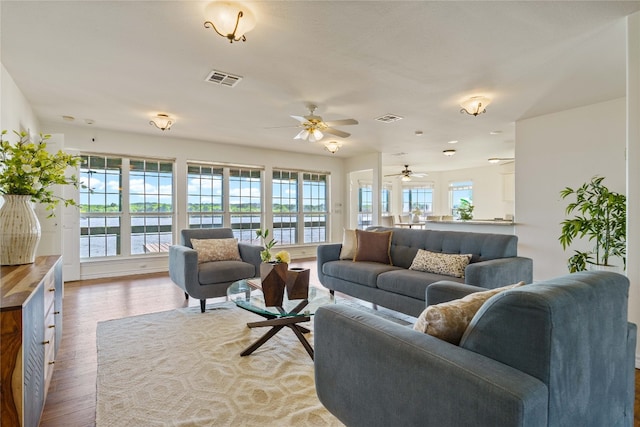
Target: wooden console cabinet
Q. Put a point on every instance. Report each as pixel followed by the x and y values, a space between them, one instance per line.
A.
pixel 31 329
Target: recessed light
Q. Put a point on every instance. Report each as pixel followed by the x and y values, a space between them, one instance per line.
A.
pixel 418 133
pixel 449 153
pixel 453 141
pixel 89 121
pixel 495 132
pixel 68 118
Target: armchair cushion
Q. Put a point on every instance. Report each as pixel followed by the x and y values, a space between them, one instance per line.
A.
pixel 216 249
pixel 448 321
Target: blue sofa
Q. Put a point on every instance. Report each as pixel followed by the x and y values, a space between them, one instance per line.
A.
pixel 495 263
pixel 558 353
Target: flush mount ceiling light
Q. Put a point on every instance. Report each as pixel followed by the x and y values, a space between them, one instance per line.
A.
pixel 449 153
pixel 332 146
pixel 229 20
pixel 162 122
pixel 475 105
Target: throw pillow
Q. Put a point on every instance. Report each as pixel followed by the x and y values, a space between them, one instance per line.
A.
pixel 348 244
pixel 435 262
pixel 449 320
pixel 374 246
pixel 216 249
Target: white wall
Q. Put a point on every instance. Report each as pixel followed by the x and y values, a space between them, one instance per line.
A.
pixel 163 145
pixel 633 167
pixel 15 110
pixel 559 150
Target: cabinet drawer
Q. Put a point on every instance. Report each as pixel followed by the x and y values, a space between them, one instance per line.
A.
pixel 49 291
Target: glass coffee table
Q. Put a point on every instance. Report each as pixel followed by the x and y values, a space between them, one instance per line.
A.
pixel 292 312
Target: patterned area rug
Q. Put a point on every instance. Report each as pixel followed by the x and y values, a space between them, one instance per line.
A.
pixel 183 368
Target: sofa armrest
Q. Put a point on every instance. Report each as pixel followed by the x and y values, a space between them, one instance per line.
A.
pixel 251 254
pixel 499 272
pixel 326 253
pixel 183 267
pixel 373 372
pixel 445 291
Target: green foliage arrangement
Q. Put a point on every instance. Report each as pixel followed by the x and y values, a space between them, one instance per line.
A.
pixel 602 216
pixel 265 254
pixel 465 210
pixel 28 169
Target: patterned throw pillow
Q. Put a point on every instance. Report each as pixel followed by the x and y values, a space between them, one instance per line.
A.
pixel 216 249
pixel 446 264
pixel 373 246
pixel 348 249
pixel 449 320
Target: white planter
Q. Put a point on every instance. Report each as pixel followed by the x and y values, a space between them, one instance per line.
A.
pixel 19 231
pixel 598 267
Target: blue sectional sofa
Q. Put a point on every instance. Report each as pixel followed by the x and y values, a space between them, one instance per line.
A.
pixel 558 353
pixel 494 263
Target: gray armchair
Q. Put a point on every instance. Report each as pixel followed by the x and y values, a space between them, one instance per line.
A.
pixel 556 353
pixel 209 279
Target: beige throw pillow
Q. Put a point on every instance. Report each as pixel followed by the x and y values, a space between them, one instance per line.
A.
pixel 216 249
pixel 435 262
pixel 449 320
pixel 348 250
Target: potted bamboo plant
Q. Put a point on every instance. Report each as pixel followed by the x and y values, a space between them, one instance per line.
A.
pixel 600 216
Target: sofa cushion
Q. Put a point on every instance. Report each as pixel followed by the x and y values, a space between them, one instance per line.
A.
pixel 362 273
pixel 373 246
pixel 409 283
pixel 449 320
pixel 224 272
pixel 434 262
pixel 216 249
pixel 348 249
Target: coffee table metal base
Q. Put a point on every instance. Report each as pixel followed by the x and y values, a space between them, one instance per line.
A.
pixel 278 323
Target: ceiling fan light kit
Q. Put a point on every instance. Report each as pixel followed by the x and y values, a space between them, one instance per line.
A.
pixel 449 153
pixel 162 122
pixel 475 105
pixel 314 128
pixel 229 20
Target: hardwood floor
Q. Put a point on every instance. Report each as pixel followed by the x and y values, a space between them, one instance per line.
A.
pixel 71 400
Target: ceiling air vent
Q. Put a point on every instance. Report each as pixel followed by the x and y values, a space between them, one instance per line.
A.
pixel 389 118
pixel 222 78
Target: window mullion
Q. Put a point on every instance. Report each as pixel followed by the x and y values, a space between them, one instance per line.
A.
pixel 125 230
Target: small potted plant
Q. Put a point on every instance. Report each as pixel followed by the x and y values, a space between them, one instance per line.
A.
pixel 601 218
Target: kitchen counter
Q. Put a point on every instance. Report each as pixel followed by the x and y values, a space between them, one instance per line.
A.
pixel 498 226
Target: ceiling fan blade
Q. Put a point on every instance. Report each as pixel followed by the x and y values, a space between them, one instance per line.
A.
pixel 395 174
pixel 336 132
pixel 300 119
pixel 419 175
pixel 341 122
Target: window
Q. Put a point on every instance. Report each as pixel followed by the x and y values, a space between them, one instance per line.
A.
pixel 151 205
pixel 314 202
pixel 417 198
pixel 220 196
pixel 205 206
pixel 385 195
pixel 457 191
pixel 285 207
pixel 100 206
pixel 245 203
pixel 127 207
pixel 365 205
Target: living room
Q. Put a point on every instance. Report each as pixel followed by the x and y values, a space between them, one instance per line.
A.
pixel 560 147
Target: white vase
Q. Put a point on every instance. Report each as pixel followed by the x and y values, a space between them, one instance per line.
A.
pixel 19 230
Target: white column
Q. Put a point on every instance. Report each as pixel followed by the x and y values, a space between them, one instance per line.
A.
pixel 633 167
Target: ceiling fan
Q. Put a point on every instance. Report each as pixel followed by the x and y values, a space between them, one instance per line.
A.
pixel 406 174
pixel 314 128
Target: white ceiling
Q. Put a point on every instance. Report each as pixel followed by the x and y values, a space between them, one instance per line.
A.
pixel 120 62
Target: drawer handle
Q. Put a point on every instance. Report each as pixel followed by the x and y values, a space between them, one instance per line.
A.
pixel 56 312
pixel 52 362
pixel 46 342
pixel 52 326
pixel 52 289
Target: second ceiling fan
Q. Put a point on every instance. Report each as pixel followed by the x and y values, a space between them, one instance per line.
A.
pixel 407 173
pixel 314 128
